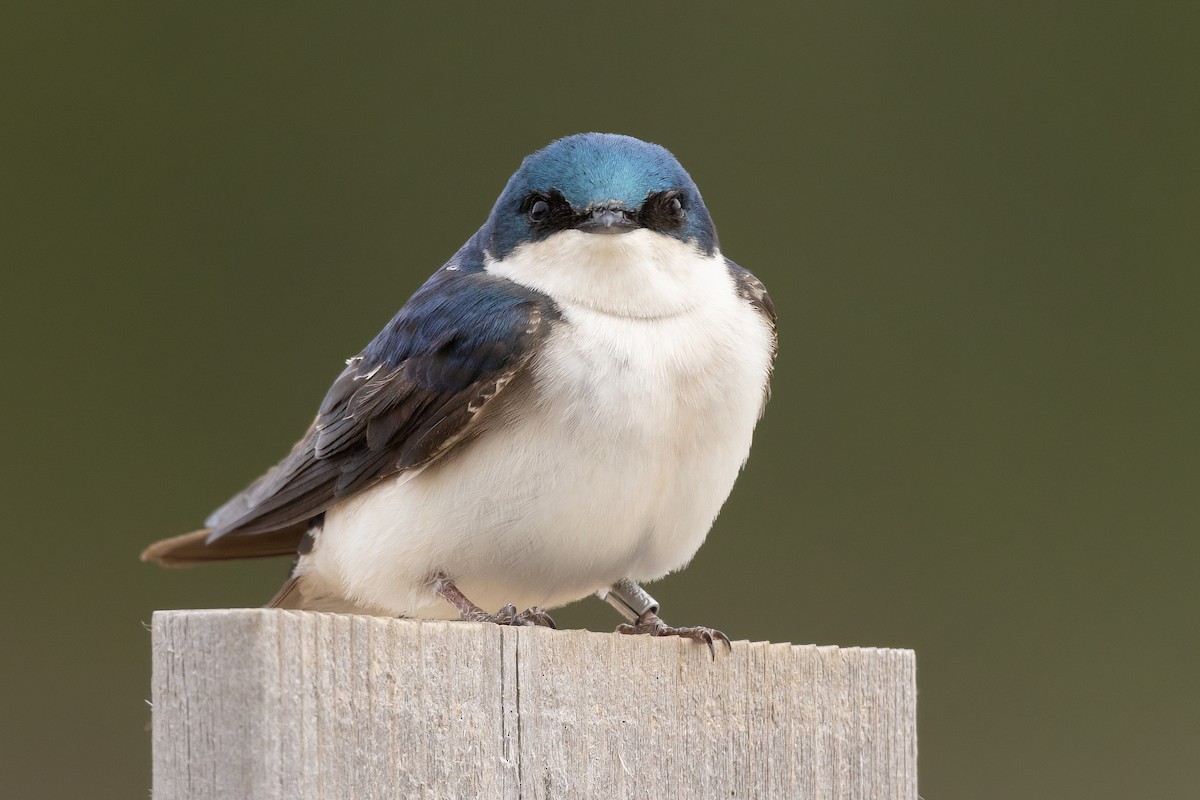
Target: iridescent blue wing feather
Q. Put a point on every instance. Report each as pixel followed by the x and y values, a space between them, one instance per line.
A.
pixel 405 400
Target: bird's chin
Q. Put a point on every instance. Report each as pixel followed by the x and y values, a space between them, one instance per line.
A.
pixel 616 250
pixel 641 274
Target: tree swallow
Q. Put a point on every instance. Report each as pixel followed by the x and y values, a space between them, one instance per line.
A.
pixel 560 410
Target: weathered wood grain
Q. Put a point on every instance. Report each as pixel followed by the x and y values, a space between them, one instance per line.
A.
pixel 269 704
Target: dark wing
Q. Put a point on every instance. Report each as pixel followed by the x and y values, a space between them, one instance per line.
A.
pixel 752 290
pixel 404 401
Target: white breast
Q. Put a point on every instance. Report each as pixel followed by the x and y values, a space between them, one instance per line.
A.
pixel 645 397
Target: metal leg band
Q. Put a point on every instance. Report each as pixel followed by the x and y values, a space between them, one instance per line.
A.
pixel 629 599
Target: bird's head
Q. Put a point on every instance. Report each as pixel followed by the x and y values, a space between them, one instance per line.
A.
pixel 601 185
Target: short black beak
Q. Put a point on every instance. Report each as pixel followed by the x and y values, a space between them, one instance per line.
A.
pixel 607 220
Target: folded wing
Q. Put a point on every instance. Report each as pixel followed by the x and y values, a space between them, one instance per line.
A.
pixel 409 397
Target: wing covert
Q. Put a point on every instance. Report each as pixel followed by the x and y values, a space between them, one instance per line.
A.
pixel 407 398
pixel 752 290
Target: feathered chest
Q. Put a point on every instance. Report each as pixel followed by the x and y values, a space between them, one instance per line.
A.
pixel 655 344
pixel 677 379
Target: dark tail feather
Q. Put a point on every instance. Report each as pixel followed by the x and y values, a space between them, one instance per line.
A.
pixel 296 594
pixel 190 548
pixel 289 595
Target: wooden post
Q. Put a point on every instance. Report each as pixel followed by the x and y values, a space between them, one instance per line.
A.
pixel 277 705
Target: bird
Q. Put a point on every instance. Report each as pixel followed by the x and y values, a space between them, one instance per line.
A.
pixel 561 410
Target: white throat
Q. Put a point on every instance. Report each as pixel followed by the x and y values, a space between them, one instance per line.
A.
pixel 641 274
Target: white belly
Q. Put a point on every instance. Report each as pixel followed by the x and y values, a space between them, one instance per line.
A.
pixel 615 467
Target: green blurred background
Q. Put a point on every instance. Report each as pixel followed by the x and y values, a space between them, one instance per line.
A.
pixel 979 225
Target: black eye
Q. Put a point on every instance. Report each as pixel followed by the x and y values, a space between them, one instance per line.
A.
pixel 539 210
pixel 675 207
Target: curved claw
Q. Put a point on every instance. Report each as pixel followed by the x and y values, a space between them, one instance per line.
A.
pixel 504 616
pixel 649 623
pixel 509 616
pixel 534 616
pixel 445 588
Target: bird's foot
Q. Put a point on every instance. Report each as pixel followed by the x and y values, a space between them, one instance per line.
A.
pixel 470 612
pixel 535 616
pixel 649 623
pixel 508 616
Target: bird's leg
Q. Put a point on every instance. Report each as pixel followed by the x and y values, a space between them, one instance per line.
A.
pixel 445 589
pixel 641 610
